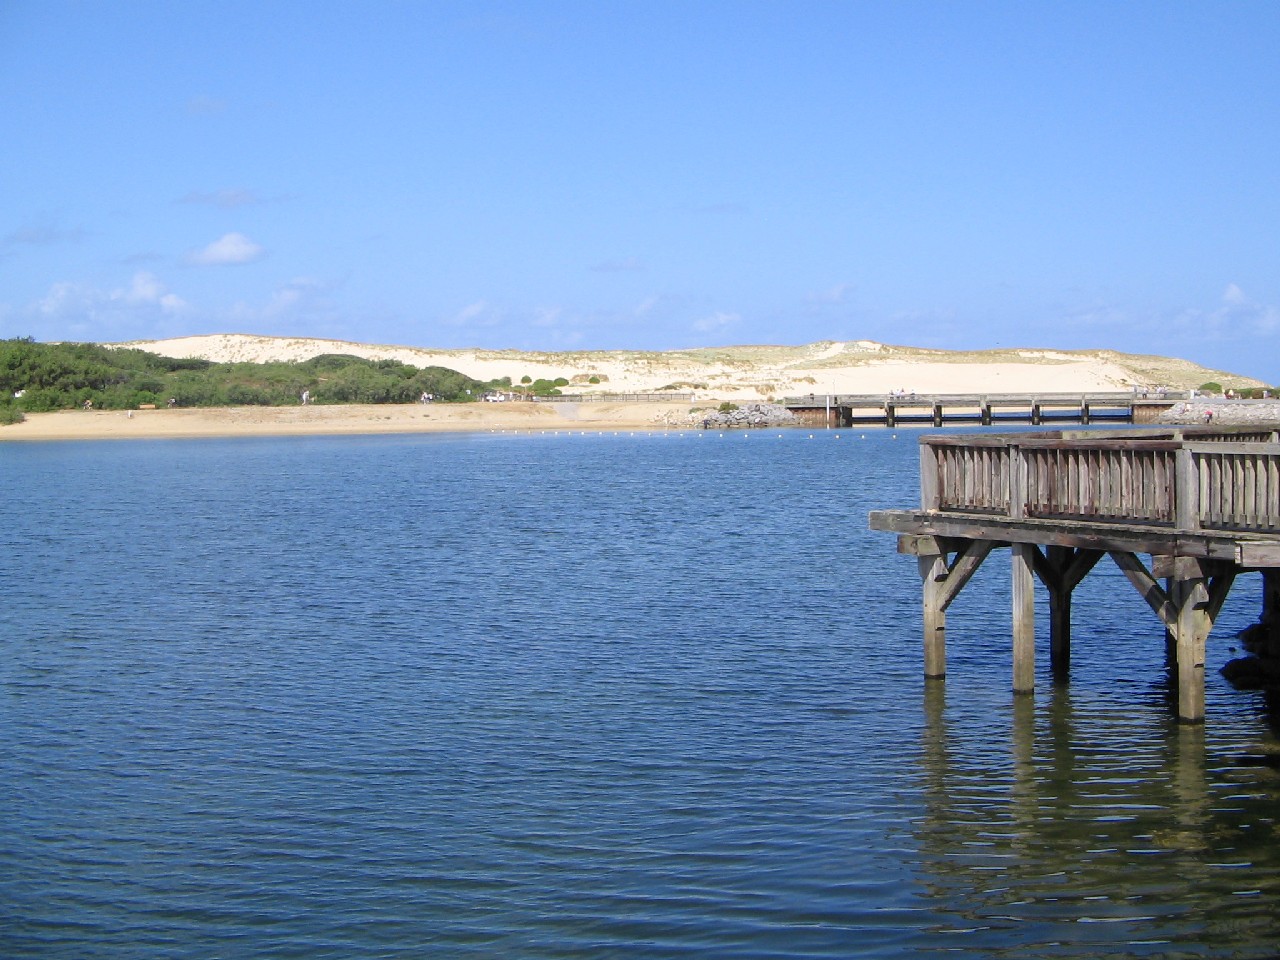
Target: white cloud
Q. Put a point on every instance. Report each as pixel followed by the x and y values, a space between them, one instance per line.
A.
pixel 142 308
pixel 229 249
pixel 1241 315
pixel 301 301
pixel 716 322
pixel 478 314
pixel 547 316
pixel 837 294
pixel 145 289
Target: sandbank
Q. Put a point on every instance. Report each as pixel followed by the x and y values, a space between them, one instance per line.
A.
pixel 319 420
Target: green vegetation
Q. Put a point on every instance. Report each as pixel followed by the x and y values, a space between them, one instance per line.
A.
pixel 1211 387
pixel 546 388
pixel 10 413
pixel 728 407
pixel 61 376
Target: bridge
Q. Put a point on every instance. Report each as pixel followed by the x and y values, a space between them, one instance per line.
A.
pixel 1202 503
pixel 938 409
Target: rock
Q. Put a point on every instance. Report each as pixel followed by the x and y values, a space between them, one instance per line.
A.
pixel 746 416
pixel 1233 412
pixel 1252 673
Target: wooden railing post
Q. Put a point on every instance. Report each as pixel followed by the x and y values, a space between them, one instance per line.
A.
pixel 930 494
pixel 1017 483
pixel 1186 493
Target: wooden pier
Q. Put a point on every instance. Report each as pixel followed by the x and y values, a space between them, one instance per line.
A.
pixel 845 410
pixel 1202 503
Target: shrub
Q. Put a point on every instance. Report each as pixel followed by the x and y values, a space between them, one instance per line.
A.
pixel 1210 387
pixel 11 414
pixel 728 407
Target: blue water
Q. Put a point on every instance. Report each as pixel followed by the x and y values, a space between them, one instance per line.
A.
pixel 581 696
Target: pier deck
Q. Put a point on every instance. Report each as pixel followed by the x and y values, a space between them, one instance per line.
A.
pixel 843 410
pixel 1203 503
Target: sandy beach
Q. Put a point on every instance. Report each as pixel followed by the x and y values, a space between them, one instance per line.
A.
pixel 337 420
pixel 742 375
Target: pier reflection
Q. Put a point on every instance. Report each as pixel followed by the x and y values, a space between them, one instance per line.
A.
pixel 1061 822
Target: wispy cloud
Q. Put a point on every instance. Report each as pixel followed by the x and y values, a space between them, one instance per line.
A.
pixel 301 299
pixel 228 199
pixel 41 235
pixel 840 293
pixel 227 250
pixel 71 310
pixel 717 322
pixel 146 289
pixel 1240 314
pixel 475 315
pixel 1235 317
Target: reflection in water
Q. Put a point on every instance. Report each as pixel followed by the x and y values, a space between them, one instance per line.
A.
pixel 1098 825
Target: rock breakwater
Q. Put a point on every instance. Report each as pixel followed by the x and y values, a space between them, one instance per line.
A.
pixel 1222 411
pixel 746 416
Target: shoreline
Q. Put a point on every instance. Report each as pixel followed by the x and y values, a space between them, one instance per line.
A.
pixel 373 419
pixel 339 420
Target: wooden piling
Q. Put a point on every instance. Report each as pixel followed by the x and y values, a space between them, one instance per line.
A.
pixel 1024 618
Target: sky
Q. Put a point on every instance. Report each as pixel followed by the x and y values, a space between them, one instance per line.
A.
pixel 646 174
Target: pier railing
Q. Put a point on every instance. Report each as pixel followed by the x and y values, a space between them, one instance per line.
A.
pixel 1185 481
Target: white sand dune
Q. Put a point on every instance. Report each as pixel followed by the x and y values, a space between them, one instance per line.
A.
pixel 747 372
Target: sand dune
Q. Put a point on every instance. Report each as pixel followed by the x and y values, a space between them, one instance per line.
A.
pixel 742 373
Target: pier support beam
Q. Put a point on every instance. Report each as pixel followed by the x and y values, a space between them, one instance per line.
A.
pixel 1197 590
pixel 943 580
pixel 1191 632
pixel 1061 569
pixel 1024 618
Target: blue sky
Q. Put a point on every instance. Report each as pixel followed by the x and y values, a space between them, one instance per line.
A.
pixel 648 174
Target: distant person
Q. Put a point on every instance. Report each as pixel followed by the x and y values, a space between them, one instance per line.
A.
pixel 171 402
pixel 306 397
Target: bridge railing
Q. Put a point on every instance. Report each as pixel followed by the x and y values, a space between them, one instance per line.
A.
pixel 880 400
pixel 1211 482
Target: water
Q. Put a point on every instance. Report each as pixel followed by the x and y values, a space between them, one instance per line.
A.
pixel 580 696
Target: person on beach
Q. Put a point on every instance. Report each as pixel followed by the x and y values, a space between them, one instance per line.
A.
pixel 306 397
